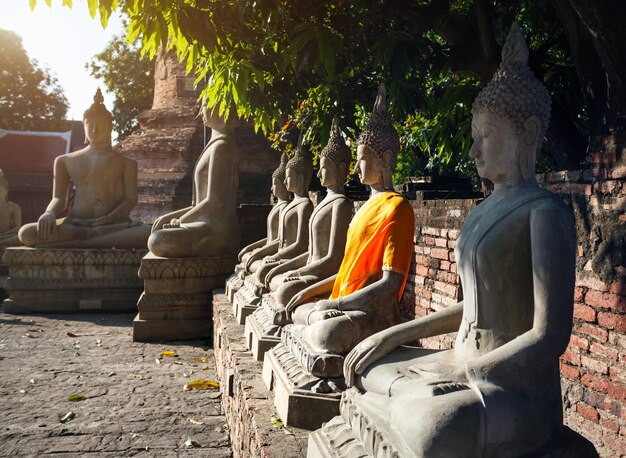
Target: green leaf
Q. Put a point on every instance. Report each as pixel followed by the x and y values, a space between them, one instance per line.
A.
pixel 277 423
pixel 93 7
pixel 67 3
pixel 76 397
pixel 32 4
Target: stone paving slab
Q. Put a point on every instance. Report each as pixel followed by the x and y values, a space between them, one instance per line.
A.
pixel 133 406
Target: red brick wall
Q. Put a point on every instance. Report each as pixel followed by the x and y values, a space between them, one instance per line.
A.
pixel 593 368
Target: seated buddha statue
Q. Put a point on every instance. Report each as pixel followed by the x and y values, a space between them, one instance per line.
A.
pixel 105 184
pixel 10 216
pixel 497 393
pixel 328 228
pixel 293 232
pixel 294 220
pixel 279 191
pixel 365 292
pixel 209 226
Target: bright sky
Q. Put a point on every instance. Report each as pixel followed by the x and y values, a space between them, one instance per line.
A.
pixel 63 40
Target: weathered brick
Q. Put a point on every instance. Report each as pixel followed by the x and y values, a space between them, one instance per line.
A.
pixel 606 300
pixel 446 288
pixel 618 287
pixel 428 241
pixel 616 443
pixel 571 357
pixel 595 383
pixel 579 342
pixel 439 253
pixel 594 331
pixel 617 374
pixel 453 267
pixel 442 243
pixel 453 234
pixel 612 321
pixel 431 231
pixel 421 270
pixel 570 372
pixel 596 365
pixel 603 350
pixel 423 293
pixel 445 265
pixel 609 422
pixel 587 412
pixel 452 244
pixel 584 312
pixel 578 294
pixel 591 282
pixel 616 390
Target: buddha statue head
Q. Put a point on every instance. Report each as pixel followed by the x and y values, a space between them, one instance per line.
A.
pixel 98 122
pixel 278 179
pixel 212 119
pixel 335 160
pixel 378 145
pixel 510 117
pixel 299 170
pixel 4 188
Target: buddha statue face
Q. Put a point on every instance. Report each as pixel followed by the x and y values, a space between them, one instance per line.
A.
pixel 328 172
pixel 371 166
pixel 504 153
pixel 293 180
pixel 279 189
pixel 211 117
pixel 97 130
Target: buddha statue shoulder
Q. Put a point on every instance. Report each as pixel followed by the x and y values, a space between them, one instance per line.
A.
pixel 365 292
pixel 497 393
pixel 209 226
pixel 10 216
pixel 105 184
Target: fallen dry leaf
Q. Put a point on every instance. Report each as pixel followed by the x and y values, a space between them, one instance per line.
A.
pixel 67 417
pixel 70 334
pixel 201 384
pixel 194 421
pixel 76 397
pixel 171 354
pixel 202 359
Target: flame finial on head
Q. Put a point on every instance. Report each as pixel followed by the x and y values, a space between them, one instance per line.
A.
pixel 380 135
pixel 514 92
pixel 98 110
pixel 336 150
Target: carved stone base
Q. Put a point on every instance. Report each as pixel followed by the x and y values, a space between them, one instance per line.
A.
pixel 247 299
pixel 71 280
pixel 233 283
pixel 176 303
pixel 354 433
pixel 257 331
pixel 297 405
pixel 322 365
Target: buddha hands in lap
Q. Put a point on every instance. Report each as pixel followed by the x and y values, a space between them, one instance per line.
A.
pixel 10 216
pixel 364 294
pixel 293 235
pixel 328 228
pixel 497 393
pixel 209 226
pixel 105 184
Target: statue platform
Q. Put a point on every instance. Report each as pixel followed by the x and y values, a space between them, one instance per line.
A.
pixel 353 434
pixel 176 302
pixel 233 284
pixel 259 338
pixel 247 299
pixel 71 280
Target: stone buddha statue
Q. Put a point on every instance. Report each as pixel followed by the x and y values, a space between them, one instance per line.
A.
pixel 293 235
pixel 328 228
pixel 279 191
pixel 10 216
pixel 209 226
pixel 293 231
pixel 105 184
pixel 497 393
pixel 364 294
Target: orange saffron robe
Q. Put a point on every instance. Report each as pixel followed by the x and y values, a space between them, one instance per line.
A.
pixel 380 237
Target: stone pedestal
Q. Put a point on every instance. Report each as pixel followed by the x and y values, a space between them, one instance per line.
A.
pixel 4 276
pixel 258 330
pixel 233 283
pixel 348 435
pixel 71 280
pixel 295 401
pixel 247 299
pixel 176 302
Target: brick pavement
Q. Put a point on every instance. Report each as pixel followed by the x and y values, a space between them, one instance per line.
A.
pixel 132 407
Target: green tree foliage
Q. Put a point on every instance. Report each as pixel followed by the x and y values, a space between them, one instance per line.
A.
pixel 30 96
pixel 130 77
pixel 305 61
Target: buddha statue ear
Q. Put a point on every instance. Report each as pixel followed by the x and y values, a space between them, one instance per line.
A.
pixel 388 167
pixel 530 142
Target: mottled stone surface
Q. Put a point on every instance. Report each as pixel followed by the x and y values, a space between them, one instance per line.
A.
pixel 132 407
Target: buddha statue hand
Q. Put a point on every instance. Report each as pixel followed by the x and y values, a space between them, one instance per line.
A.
pixel 46 224
pixel 174 223
pixel 326 305
pixel 271 261
pixel 365 353
pixel 293 276
pixel 280 316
